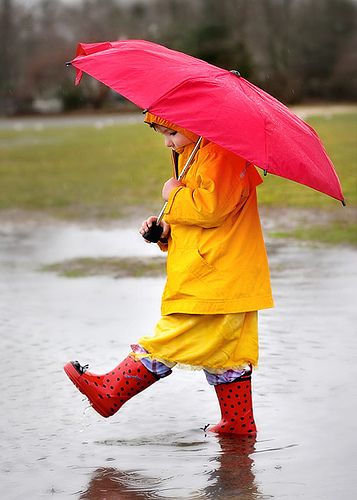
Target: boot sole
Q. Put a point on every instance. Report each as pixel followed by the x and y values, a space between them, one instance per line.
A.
pixel 217 430
pixel 77 380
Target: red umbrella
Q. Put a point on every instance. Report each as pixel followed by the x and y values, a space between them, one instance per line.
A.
pixel 214 103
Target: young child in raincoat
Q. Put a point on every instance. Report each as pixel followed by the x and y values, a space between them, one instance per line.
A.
pixel 217 280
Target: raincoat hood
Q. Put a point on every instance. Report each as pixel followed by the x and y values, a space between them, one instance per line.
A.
pixel 151 119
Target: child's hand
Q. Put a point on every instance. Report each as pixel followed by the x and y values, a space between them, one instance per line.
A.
pixel 169 186
pixel 146 225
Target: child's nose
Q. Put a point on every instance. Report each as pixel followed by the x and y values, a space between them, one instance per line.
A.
pixel 168 142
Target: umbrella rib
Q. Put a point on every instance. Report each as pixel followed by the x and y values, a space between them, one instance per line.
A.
pixel 155 103
pixel 173 89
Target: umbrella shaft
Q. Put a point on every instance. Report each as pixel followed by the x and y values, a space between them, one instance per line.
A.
pixel 161 214
pixel 190 159
pixel 181 176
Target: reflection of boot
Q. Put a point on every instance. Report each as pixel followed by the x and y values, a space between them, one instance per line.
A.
pixel 233 473
pixel 235 401
pixel 107 393
pixel 114 484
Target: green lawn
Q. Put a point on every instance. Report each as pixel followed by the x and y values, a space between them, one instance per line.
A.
pixel 332 233
pixel 84 172
pixel 107 266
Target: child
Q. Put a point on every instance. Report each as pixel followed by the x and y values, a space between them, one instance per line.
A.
pixel 217 280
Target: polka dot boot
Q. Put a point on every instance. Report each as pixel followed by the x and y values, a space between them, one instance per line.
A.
pixel 107 393
pixel 235 401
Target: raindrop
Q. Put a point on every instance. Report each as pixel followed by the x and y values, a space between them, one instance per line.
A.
pixel 85 411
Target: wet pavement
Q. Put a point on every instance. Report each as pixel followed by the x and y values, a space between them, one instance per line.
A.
pixel 55 446
pixel 41 122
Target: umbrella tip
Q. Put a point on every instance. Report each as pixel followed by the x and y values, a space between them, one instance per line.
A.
pixel 68 63
pixel 235 72
pixel 343 203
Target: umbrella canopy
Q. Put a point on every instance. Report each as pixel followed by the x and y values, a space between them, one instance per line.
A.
pixel 215 103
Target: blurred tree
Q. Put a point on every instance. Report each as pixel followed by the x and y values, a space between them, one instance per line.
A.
pixel 343 78
pixel 272 34
pixel 295 49
pixel 324 27
pixel 212 31
pixel 300 44
pixel 7 51
pixel 72 97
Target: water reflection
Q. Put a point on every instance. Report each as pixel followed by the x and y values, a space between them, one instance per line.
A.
pixel 234 477
pixel 44 319
pixel 231 476
pixel 113 484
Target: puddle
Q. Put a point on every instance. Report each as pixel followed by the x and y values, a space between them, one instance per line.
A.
pixel 42 244
pixel 53 446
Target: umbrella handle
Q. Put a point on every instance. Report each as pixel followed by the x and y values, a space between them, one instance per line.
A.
pixel 154 233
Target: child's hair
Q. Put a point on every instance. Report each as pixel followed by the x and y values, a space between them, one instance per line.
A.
pixel 152 125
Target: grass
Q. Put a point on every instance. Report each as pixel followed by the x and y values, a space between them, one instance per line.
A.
pixel 332 233
pixel 88 173
pixel 108 266
pixel 82 172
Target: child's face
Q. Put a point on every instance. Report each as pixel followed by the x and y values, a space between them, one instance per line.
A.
pixel 173 139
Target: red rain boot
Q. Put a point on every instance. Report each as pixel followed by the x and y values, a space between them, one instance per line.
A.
pixel 235 401
pixel 107 393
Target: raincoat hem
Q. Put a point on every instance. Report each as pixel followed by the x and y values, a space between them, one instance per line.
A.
pixel 187 366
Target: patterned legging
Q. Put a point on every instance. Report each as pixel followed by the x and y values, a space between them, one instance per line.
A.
pixel 163 370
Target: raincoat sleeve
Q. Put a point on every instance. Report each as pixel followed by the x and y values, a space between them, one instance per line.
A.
pixel 163 246
pixel 219 186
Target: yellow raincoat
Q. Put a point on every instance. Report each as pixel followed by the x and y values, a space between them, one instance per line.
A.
pixel 216 263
